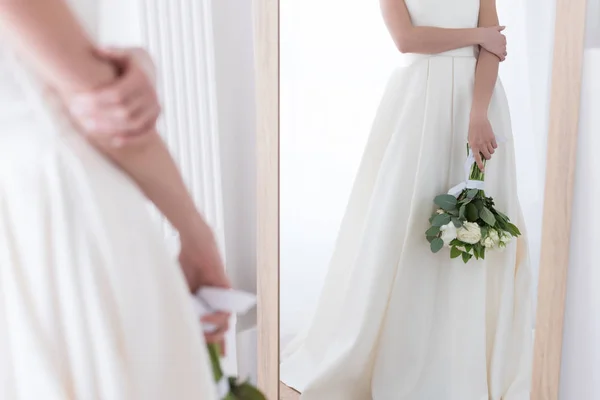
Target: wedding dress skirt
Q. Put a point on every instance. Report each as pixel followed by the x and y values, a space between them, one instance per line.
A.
pixel 92 304
pixel 394 321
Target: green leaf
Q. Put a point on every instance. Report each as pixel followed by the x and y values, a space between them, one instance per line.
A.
pixel 433 231
pixel 468 247
pixel 454 252
pixel 513 229
pixel 487 216
pixel 457 222
pixel 466 257
pixel 472 193
pixel 461 211
pixel 478 203
pixel 503 216
pixel 430 238
pixel 441 220
pixel 484 231
pixel 436 245
pixel 501 224
pixel 482 253
pixel 453 213
pixel 446 201
pixel 245 391
pixel 472 213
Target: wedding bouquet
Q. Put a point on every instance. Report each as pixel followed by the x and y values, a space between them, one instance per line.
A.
pixel 466 220
pixel 209 300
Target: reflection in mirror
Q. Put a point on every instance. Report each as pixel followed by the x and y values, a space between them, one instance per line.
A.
pixel 376 114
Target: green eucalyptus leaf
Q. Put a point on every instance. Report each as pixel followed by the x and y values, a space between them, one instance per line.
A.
pixel 487 216
pixel 461 211
pixel 478 203
pixel 446 201
pixel 436 245
pixel 472 213
pixel 433 231
pixel 472 193
pixel 453 213
pixel 457 222
pixel 430 238
pixel 441 220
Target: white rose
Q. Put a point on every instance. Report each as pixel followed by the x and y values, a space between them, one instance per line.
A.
pixel 469 233
pixel 448 233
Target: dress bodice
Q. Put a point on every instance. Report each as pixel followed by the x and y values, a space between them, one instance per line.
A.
pixel 444 14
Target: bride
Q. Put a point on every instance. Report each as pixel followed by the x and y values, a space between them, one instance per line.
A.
pixel 394 321
pixel 92 306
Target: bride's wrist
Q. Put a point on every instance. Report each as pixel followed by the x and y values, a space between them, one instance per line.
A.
pixel 479 36
pixel 478 114
pixel 195 230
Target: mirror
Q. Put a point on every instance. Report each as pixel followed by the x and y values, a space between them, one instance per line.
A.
pixel 368 138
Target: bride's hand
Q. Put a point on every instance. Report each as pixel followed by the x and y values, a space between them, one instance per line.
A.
pixel 481 138
pixel 494 41
pixel 202 266
pixel 124 111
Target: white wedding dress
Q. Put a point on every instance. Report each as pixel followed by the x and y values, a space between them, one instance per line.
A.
pixel 394 321
pixel 92 305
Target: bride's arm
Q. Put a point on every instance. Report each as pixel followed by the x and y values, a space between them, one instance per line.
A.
pixel 431 40
pixel 47 34
pixel 481 137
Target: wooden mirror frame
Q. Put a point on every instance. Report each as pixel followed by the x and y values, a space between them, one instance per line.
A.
pixel 560 173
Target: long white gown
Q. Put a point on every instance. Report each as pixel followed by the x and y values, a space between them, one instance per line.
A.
pixel 92 305
pixel 394 321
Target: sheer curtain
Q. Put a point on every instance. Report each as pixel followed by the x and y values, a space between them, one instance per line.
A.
pixel 179 35
pixel 526 75
pixel 334 66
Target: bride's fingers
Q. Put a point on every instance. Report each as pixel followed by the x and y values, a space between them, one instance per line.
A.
pixel 478 159
pixel 218 319
pixel 486 153
pixel 494 143
pixel 490 148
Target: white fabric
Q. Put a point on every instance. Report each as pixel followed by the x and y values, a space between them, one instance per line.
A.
pixel 580 363
pixel 394 321
pixel 208 300
pixel 467 183
pixel 92 305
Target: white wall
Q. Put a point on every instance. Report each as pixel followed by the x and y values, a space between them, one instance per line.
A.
pixel 234 53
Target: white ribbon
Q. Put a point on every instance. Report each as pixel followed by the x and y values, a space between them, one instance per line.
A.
pixel 209 300
pixel 467 184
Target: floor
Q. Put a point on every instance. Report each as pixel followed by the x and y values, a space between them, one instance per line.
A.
pixel 285 393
